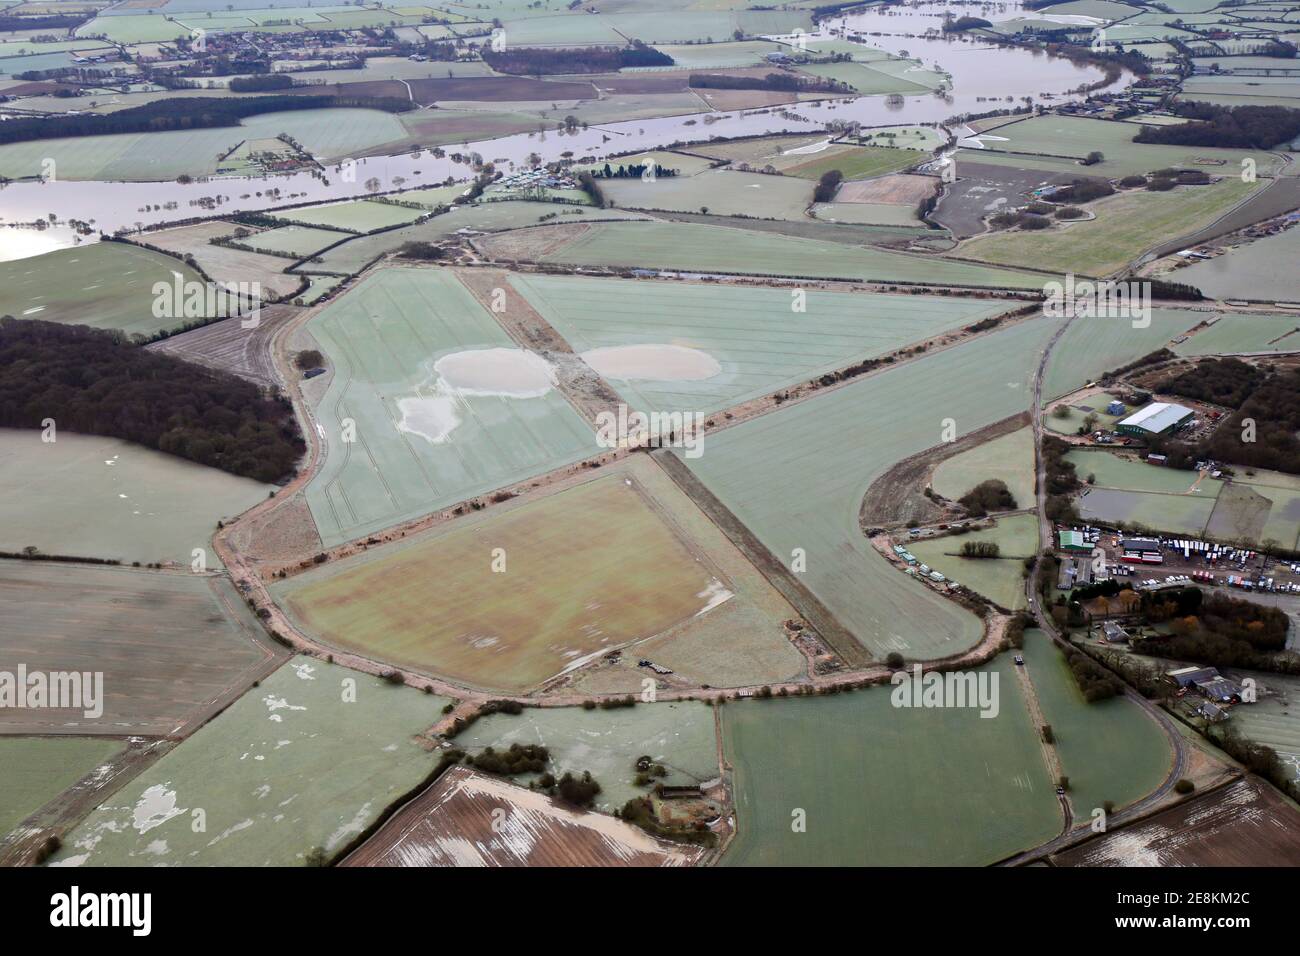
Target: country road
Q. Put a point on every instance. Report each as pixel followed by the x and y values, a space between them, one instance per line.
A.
pixel 1177 743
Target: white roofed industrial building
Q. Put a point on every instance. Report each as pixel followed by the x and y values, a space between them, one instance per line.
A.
pixel 1158 418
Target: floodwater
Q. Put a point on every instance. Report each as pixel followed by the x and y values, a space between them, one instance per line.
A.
pixel 23 242
pixel 983 78
pixel 436 411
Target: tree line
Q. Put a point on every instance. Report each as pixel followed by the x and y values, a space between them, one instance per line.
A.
pixel 1233 127
pixel 534 61
pixel 1263 430
pixel 97 382
pixel 177 114
pixel 781 82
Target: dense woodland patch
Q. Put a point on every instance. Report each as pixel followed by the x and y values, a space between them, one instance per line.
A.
pixel 178 114
pixel 96 382
pixel 1235 127
pixel 1261 432
pixel 532 61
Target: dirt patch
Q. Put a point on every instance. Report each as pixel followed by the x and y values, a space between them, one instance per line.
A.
pixel 899 189
pixel 279 534
pixel 229 347
pixel 531 245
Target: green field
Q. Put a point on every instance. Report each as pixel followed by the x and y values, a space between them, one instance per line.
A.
pixel 1052 135
pixel 422 444
pixel 1251 507
pixel 108 285
pixel 857 162
pixel 1092 346
pixel 1134 474
pixel 717 56
pixel 1127 225
pixel 38 769
pixel 1273 720
pixel 869 213
pixel 1109 749
pixel 680 735
pixel 96 497
pixel 1000 579
pixel 1069 424
pixel 292 241
pixel 293 765
pixel 329 134
pixel 883 786
pixel 360 216
pixel 1009 458
pixel 754 335
pixel 1176 514
pixel 696 248
pixel 1245 333
pixel 763 471
pixel 722 192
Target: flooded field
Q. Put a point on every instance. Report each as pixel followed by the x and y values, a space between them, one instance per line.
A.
pixel 303 763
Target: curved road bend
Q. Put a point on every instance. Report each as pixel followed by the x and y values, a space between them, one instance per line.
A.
pixel 1177 742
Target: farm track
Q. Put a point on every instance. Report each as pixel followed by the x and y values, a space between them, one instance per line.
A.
pixel 896 497
pixel 22 846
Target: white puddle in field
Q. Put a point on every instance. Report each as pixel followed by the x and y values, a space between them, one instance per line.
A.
pixel 511 373
pixel 435 411
pixel 716 593
pixel 155 807
pixel 810 148
pixel 656 363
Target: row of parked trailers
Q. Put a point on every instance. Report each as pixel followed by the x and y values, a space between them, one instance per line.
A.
pixel 1151 551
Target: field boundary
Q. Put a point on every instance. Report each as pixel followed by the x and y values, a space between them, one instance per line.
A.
pixel 801 598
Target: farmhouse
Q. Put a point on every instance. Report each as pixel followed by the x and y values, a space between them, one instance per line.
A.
pixel 1158 418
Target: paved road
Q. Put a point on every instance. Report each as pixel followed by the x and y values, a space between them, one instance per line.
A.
pixel 1178 744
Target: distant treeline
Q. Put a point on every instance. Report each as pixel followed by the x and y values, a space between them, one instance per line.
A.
pixel 534 61
pixel 632 171
pixel 34 25
pixel 96 382
pixel 782 82
pixel 178 114
pixel 1233 127
pixel 262 83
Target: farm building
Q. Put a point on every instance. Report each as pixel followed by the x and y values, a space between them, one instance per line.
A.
pixel 1116 408
pixel 1141 551
pixel 1113 633
pixel 1220 690
pixel 1072 541
pixel 1185 677
pixel 1158 418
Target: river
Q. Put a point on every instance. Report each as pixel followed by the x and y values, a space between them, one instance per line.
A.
pixel 983 77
